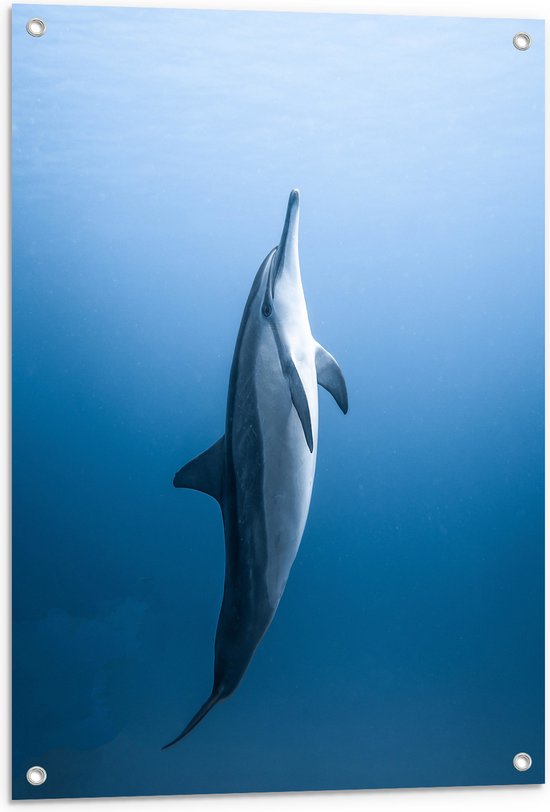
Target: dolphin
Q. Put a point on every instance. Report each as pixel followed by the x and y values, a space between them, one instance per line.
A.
pixel 261 471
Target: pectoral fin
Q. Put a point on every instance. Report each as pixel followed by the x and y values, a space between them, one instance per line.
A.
pixel 299 400
pixel 205 472
pixel 329 376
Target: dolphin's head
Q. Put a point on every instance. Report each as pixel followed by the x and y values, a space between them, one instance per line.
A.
pixel 283 299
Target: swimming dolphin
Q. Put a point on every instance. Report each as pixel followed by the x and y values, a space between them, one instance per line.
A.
pixel 261 471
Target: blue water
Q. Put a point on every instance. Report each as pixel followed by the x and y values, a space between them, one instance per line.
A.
pixel 153 154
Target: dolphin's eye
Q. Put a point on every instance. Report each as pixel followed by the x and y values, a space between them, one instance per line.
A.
pixel 266 310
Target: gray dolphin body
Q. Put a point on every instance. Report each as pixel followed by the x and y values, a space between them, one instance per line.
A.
pixel 261 471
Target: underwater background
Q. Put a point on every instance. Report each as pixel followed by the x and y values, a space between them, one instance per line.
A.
pixel 153 154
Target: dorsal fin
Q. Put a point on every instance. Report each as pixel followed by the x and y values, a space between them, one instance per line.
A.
pixel 329 376
pixel 205 472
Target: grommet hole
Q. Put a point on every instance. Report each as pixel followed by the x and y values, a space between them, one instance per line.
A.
pixel 522 41
pixel 36 27
pixel 36 776
pixel 522 762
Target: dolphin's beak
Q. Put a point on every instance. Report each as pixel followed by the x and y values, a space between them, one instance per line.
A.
pixel 287 250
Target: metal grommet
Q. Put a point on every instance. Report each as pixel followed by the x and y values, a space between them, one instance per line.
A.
pixel 36 27
pixel 522 762
pixel 522 41
pixel 36 776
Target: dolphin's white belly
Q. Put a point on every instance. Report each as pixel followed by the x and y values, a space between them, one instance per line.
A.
pixel 288 466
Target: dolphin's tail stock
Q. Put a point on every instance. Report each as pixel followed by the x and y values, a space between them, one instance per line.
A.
pixel 214 697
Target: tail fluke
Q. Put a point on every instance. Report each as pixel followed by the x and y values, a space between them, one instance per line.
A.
pixel 214 697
